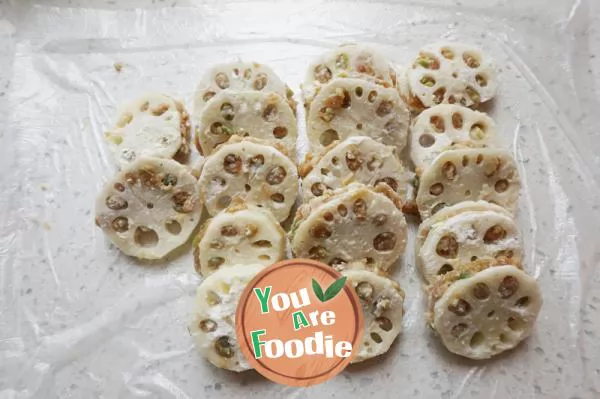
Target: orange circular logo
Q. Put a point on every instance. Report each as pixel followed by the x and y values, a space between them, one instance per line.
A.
pixel 298 323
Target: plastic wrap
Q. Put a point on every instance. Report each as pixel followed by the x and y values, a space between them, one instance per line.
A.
pixel 79 319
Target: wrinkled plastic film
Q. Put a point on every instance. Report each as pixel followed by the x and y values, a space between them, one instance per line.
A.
pixel 78 318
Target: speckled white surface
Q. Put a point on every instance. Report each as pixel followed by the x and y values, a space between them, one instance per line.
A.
pixel 79 319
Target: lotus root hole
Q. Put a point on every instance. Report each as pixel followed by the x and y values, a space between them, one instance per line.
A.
pixel 376 337
pixel 384 242
pixel 317 189
pixel 491 313
pixel 322 73
pixel 481 80
pixel 280 132
pixel 508 287
pixel 277 197
pixel 457 120
pixel 471 59
pixel 227 111
pixel 503 338
pixel 270 113
pixel 247 187
pixel 342 210
pixel 447 247
pixel 120 224
pixel 460 307
pixel 358 91
pixel 522 302
pixel 260 82
pixel 276 175
pixel 447 53
pixel 384 323
pixel 477 131
pixel 516 323
pixel 476 340
pixel 262 244
pixel 458 330
pixel 359 126
pixel 438 95
pixel 446 268
pixel 328 137
pixel 481 291
pixel 222 80
pixel 449 170
pixel 494 233
pixel 426 140
pixel 436 189
pixel 173 227
pixel 501 185
pixel 428 80
pixel 145 237
pixel 372 96
pixel 207 325
pixel 437 122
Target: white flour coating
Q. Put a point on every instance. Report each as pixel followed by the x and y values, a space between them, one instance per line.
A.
pixel 149 208
pixel 347 107
pixel 451 73
pixel 213 323
pixel 382 302
pixel 239 76
pixel 469 174
pixel 355 226
pixel 465 238
pixel 264 115
pixel 239 234
pixel 357 159
pixel 488 313
pixel 444 126
pixel 252 171
pixel 153 125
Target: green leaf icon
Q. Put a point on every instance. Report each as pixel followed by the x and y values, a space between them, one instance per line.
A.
pixel 334 288
pixel 317 290
pixel 330 292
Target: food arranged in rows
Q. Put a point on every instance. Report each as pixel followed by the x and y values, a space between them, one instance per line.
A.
pixel 355 188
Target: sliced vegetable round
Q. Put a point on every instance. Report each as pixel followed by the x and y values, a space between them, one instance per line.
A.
pixel 467 237
pixel 253 171
pixel 442 127
pixel 213 322
pixel 355 226
pixel 363 61
pixel 355 107
pixel 258 114
pixel 451 73
pixel 150 208
pixel 487 313
pixel 356 159
pixel 153 125
pixel 468 174
pixel 239 76
pixel 382 304
pixel 241 233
